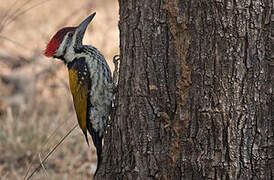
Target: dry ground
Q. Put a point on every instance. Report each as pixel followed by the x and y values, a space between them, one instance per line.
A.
pixel 36 108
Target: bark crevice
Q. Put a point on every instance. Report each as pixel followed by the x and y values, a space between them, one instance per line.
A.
pixel 195 96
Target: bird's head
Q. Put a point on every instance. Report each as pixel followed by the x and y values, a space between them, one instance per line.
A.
pixel 67 40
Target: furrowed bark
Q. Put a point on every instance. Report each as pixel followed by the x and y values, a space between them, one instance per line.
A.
pixel 195 94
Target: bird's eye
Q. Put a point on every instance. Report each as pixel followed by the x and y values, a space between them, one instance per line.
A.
pixel 70 34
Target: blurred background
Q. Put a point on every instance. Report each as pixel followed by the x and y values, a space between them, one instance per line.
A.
pixel 36 108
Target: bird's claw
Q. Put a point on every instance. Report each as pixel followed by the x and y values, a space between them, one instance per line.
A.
pixel 116 58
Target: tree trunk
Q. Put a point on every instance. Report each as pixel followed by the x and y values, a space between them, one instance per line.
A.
pixel 195 94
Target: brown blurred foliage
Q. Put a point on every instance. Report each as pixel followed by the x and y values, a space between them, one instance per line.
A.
pixel 35 103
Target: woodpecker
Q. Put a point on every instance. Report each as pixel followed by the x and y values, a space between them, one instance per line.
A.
pixel 90 80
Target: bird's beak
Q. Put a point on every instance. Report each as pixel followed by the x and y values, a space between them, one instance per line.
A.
pixel 81 29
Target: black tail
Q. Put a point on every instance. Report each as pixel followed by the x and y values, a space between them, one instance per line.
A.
pixel 97 141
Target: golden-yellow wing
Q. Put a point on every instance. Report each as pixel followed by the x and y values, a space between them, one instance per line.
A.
pixel 79 86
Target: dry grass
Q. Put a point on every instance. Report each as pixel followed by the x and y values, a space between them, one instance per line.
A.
pixel 36 107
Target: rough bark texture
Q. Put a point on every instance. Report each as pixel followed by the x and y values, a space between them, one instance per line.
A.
pixel 195 96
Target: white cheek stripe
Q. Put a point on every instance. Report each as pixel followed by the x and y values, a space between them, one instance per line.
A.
pixel 61 48
pixel 70 53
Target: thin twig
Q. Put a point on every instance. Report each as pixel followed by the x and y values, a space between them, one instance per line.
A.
pixel 43 165
pixel 24 11
pixel 54 148
pixel 16 43
pixel 7 18
pixel 37 153
pixel 6 14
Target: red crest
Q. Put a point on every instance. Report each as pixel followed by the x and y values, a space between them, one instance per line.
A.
pixel 55 41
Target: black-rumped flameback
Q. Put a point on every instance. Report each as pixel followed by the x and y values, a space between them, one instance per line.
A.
pixel 90 80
